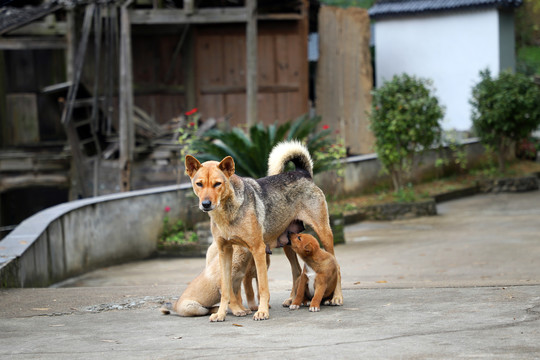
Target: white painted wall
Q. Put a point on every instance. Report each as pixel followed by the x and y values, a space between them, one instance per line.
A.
pixel 449 48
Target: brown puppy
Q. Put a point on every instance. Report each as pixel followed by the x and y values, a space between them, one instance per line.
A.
pixel 203 293
pixel 320 276
pixel 257 213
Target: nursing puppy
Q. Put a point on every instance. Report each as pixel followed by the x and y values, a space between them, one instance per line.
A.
pixel 256 214
pixel 320 276
pixel 203 293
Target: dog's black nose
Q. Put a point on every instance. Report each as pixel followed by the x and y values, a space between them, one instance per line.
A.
pixel 206 204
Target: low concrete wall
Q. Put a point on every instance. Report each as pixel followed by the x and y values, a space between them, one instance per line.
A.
pixel 75 237
pixel 364 172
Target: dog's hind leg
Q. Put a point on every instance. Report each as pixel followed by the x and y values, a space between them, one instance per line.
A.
pixel 250 294
pixel 296 271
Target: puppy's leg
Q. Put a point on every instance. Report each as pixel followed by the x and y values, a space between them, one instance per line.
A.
pixel 296 271
pixel 225 260
pixel 259 255
pixel 300 293
pixel 320 288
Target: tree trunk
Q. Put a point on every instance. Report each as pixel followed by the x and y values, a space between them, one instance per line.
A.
pixel 396 179
pixel 502 153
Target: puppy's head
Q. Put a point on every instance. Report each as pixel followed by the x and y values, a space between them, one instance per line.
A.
pixel 210 180
pixel 303 244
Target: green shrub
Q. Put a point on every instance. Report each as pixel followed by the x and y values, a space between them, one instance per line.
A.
pixel 250 151
pixel 504 110
pixel 405 121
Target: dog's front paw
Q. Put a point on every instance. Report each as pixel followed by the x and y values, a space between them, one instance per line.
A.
pixel 261 315
pixel 243 312
pixel 287 302
pixel 314 309
pixel 294 307
pixel 217 317
pixel 337 300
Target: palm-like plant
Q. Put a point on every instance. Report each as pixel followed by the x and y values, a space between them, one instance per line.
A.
pixel 250 151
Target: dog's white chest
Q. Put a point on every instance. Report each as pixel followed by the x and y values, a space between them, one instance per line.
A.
pixel 311 274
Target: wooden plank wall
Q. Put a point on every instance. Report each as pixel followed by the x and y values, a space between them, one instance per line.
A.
pixel 163 98
pixel 345 75
pixel 220 60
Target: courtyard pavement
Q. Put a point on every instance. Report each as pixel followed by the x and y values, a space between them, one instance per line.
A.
pixel 462 284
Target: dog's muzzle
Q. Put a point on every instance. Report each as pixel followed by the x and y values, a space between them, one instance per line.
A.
pixel 206 205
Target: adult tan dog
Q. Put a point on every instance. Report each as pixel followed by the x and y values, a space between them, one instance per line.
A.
pixel 320 275
pixel 257 213
pixel 203 293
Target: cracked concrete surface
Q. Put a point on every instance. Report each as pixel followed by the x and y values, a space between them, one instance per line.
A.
pixel 463 284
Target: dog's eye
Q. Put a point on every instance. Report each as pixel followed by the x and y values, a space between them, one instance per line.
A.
pixel 199 184
pixel 217 184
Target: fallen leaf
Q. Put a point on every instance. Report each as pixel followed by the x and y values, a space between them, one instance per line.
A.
pixel 238 325
pixel 40 309
pixel 23 242
pixel 357 283
pixel 381 282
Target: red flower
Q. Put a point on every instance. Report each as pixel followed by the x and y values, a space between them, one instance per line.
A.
pixel 192 111
pixel 325 127
pixel 167 209
pixel 192 124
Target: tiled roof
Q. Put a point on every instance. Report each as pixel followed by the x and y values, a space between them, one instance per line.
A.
pixel 385 8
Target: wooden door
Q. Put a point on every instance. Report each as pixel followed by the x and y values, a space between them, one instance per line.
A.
pixel 220 63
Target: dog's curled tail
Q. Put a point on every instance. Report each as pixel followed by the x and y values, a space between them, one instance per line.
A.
pixel 287 151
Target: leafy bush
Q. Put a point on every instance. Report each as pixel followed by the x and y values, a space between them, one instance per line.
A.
pixel 250 151
pixel 177 233
pixel 504 110
pixel 405 121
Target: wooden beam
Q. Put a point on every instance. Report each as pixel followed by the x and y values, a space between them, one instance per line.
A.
pixel 127 131
pixel 241 89
pixel 71 34
pixel 31 43
pixel 79 63
pixel 179 16
pixel 23 181
pixel 42 28
pixel 251 60
pixel 280 17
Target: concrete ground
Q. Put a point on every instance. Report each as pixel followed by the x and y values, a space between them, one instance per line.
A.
pixel 463 284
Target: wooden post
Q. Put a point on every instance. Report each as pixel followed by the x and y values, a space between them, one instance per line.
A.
pixel 71 34
pixel 75 64
pixel 251 59
pixel 127 133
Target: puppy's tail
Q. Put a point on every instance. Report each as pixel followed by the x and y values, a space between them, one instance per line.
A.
pixel 287 151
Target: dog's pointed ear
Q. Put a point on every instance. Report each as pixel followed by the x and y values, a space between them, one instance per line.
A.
pixel 192 165
pixel 227 166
